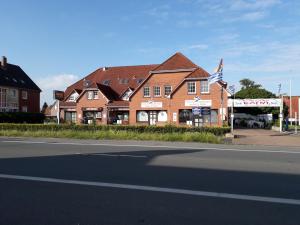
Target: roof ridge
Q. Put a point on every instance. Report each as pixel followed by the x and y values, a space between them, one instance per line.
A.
pixel 174 55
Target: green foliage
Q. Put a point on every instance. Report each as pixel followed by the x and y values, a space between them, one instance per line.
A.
pixel 169 129
pixel 252 90
pixel 247 83
pixel 21 117
pixel 168 133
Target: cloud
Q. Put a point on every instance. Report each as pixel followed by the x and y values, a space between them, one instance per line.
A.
pixel 253 5
pixel 56 82
pixel 197 47
pixel 247 17
pixel 161 13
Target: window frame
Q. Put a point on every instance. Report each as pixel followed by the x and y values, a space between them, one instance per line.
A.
pixel 24 95
pixel 149 90
pixel 90 95
pixel 204 92
pixel 156 88
pixel 195 88
pixel 170 86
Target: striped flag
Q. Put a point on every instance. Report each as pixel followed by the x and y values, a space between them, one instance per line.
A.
pixel 218 75
pixel 231 88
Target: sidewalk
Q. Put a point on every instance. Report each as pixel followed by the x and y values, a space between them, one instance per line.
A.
pixel 266 137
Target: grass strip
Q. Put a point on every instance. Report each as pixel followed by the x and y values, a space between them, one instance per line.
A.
pixel 203 137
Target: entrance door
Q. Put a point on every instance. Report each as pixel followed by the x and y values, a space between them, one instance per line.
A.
pixel 198 122
pixel 152 117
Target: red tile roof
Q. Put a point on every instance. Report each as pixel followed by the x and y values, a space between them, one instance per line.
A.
pixel 119 78
pixel 198 73
pixel 176 62
pixel 118 104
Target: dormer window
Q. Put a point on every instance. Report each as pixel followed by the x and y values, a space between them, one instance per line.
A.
pixel 124 81
pixel 106 82
pixel 139 81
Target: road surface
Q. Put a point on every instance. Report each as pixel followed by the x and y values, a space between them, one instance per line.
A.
pixel 57 181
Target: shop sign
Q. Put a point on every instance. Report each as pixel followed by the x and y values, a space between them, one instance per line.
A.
pixel 196 111
pixel 58 95
pixel 199 103
pixel 259 102
pixel 151 104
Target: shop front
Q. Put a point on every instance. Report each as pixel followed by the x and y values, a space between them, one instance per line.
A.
pixel 92 115
pixel 152 117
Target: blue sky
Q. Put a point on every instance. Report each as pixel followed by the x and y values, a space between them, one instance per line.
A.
pixel 58 42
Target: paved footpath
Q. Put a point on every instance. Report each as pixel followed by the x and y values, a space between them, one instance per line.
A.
pixel 266 138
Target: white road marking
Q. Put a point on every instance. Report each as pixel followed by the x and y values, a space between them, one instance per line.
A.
pixel 155 146
pixel 116 155
pixel 157 189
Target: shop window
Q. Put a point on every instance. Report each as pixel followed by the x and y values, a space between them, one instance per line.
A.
pixel 185 115
pixel 98 115
pixel 204 87
pixel 146 91
pixel 168 90
pixel 156 91
pixel 214 116
pixel 191 87
pixel 162 116
pixel 142 116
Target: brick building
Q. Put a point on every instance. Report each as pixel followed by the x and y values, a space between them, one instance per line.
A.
pixel 295 103
pixel 18 93
pixel 175 91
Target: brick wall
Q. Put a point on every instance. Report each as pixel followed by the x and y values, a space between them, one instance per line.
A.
pixel 32 102
pixel 84 102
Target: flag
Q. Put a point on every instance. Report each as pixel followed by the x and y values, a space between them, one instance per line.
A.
pixel 220 67
pixel 231 88
pixel 215 77
pixel 218 75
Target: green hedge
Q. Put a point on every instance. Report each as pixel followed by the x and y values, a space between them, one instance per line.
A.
pixel 219 131
pixel 21 117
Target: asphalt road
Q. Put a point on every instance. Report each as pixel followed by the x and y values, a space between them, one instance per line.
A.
pixel 51 181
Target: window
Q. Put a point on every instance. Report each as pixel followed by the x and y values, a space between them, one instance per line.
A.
pixel 139 80
pixel 95 95
pixel 204 87
pixel 98 115
pixel 162 116
pixel 24 108
pixel 146 92
pixel 156 91
pixel 24 95
pixel 90 95
pixel 106 82
pixel 191 87
pixel 70 117
pixel 14 93
pixel 142 116
pixel 123 81
pixel 185 115
pixel 168 90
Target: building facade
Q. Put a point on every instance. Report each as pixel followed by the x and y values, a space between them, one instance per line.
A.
pixel 294 102
pixel 174 92
pixel 18 93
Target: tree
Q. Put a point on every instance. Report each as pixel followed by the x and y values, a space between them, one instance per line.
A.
pixel 247 83
pixel 45 106
pixel 252 90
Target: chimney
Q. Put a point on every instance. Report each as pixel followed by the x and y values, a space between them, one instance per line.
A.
pixel 4 61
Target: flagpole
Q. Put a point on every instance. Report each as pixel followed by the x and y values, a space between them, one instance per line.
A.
pixel 291 114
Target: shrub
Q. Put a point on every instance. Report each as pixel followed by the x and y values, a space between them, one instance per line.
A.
pixel 21 117
pixel 219 131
